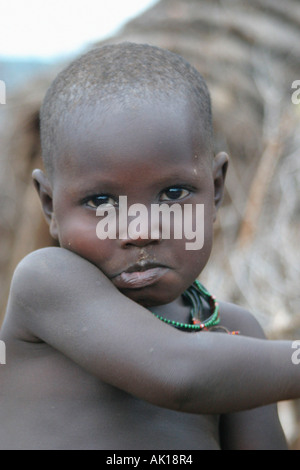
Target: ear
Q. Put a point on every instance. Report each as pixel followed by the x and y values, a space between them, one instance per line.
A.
pixel 220 166
pixel 44 190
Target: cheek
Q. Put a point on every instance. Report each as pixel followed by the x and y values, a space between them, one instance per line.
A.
pixel 79 235
pixel 196 260
pixel 197 251
pixel 199 233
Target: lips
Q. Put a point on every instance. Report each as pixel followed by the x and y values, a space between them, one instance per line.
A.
pixel 139 275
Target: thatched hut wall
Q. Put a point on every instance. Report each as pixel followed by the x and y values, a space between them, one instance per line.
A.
pixel 249 53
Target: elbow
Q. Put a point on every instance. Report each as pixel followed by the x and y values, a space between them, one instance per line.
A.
pixel 184 393
pixel 180 384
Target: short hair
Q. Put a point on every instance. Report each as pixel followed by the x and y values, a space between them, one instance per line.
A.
pixel 126 72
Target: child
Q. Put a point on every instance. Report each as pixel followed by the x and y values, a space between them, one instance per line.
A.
pixel 106 337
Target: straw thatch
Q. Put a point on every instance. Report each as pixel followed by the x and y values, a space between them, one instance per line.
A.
pixel 249 53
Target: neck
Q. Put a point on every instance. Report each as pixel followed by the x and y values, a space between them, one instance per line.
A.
pixel 178 310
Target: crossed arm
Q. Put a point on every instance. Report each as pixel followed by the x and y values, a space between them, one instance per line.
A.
pixel 61 299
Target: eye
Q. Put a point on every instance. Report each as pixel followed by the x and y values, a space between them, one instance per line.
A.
pixel 99 199
pixel 173 194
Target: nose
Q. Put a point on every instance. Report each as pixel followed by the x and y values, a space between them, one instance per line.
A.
pixel 140 237
pixel 139 231
pixel 138 242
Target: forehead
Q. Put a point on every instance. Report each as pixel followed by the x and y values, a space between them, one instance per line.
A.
pixel 157 133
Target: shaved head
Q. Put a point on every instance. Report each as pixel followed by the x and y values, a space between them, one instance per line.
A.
pixel 126 74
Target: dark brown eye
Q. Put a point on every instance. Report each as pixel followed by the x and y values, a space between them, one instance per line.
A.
pixel 173 194
pixel 98 200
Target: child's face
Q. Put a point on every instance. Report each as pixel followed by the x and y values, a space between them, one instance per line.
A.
pixel 151 155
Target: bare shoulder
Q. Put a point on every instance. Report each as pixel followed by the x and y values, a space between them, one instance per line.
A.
pixel 44 281
pixel 50 269
pixel 39 262
pixel 36 275
pixel 236 318
pixel 47 260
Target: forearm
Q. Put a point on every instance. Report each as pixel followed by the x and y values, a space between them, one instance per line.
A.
pixel 237 373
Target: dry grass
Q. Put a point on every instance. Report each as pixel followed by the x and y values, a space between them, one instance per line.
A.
pixel 249 53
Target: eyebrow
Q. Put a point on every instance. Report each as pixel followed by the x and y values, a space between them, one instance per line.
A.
pixel 106 183
pixel 177 178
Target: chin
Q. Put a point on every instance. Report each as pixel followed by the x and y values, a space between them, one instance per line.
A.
pixel 151 296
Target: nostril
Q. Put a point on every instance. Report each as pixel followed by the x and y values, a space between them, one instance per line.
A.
pixel 139 242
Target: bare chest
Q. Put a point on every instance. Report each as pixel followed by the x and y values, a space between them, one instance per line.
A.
pixel 51 403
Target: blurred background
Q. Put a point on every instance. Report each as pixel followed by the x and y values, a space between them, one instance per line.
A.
pixel 249 54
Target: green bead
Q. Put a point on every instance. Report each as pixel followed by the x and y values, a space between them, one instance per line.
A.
pixel 203 294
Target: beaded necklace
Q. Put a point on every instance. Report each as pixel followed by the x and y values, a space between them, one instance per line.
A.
pixel 195 295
